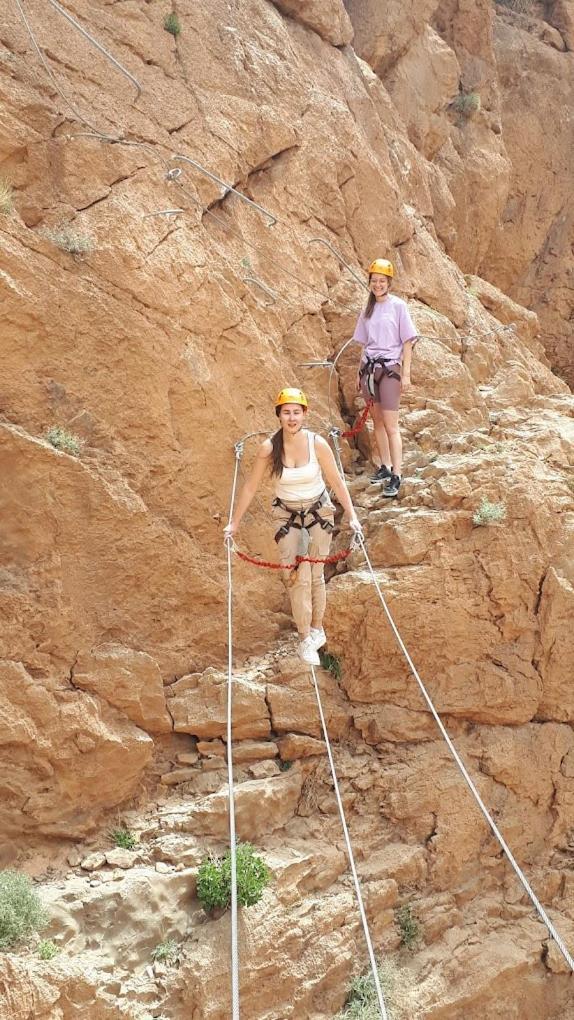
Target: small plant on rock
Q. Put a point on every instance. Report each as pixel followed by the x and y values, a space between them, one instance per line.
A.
pixel 331 663
pixel 166 952
pixel 398 992
pixel 21 910
pixel 6 197
pixel 123 838
pixel 466 104
pixel 69 240
pixel 285 765
pixel 214 879
pixel 47 949
pixel 172 24
pixel 60 439
pixel 489 513
pixel 408 926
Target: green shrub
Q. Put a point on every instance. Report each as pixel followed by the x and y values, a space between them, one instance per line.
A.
pixel 172 24
pixel 6 197
pixel 21 910
pixel 399 995
pixel 123 838
pixel 60 439
pixel 166 952
pixel 47 949
pixel 466 104
pixel 489 513
pixel 408 926
pixel 285 765
pixel 69 240
pixel 214 879
pixel 332 663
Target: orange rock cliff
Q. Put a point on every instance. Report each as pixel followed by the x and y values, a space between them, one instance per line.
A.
pixel 138 346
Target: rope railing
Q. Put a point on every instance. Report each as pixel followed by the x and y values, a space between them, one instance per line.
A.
pixel 358 894
pixel 334 435
pixel 232 838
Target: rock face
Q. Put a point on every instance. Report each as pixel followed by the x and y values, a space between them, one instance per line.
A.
pixel 129 680
pixel 65 755
pixel 460 76
pixel 156 340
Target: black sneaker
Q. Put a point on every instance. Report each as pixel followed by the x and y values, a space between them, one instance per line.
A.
pixel 392 489
pixel 380 475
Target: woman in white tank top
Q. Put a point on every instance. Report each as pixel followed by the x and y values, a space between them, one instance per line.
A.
pixel 301 463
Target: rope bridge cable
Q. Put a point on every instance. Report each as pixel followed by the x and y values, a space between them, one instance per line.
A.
pixel 232 839
pixel 465 774
pixel 356 882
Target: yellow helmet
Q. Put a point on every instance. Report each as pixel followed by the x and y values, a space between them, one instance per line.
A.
pixel 290 395
pixel 382 266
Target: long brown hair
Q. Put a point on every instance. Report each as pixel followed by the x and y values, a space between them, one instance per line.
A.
pixel 277 453
pixel 371 300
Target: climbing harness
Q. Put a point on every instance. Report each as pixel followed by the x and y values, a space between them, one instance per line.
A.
pixel 375 369
pixel 299 519
pixel 334 436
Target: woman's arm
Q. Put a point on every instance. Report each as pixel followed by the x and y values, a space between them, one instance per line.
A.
pixel 250 488
pixel 360 336
pixel 407 356
pixel 334 480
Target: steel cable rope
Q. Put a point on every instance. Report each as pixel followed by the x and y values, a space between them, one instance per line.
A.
pixel 172 176
pixel 239 447
pixel 356 882
pixel 232 840
pixel 466 776
pixel 234 946
pixel 51 74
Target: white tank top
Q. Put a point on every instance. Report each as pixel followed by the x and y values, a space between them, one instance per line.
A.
pixel 298 483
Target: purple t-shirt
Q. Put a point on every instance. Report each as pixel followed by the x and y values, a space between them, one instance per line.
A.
pixel 387 330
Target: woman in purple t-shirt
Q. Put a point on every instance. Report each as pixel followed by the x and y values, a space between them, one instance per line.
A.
pixel 387 335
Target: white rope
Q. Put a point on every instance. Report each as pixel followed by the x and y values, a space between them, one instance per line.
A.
pixel 492 824
pixel 232 841
pixel 374 969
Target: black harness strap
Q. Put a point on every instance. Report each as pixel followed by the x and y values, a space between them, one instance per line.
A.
pixel 375 369
pixel 303 523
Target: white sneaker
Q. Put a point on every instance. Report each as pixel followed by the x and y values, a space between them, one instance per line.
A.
pixel 318 636
pixel 308 652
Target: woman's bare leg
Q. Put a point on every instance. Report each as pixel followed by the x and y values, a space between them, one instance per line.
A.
pixel 390 423
pixel 381 437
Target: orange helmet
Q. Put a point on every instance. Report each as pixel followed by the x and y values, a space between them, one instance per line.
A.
pixel 290 395
pixel 382 266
